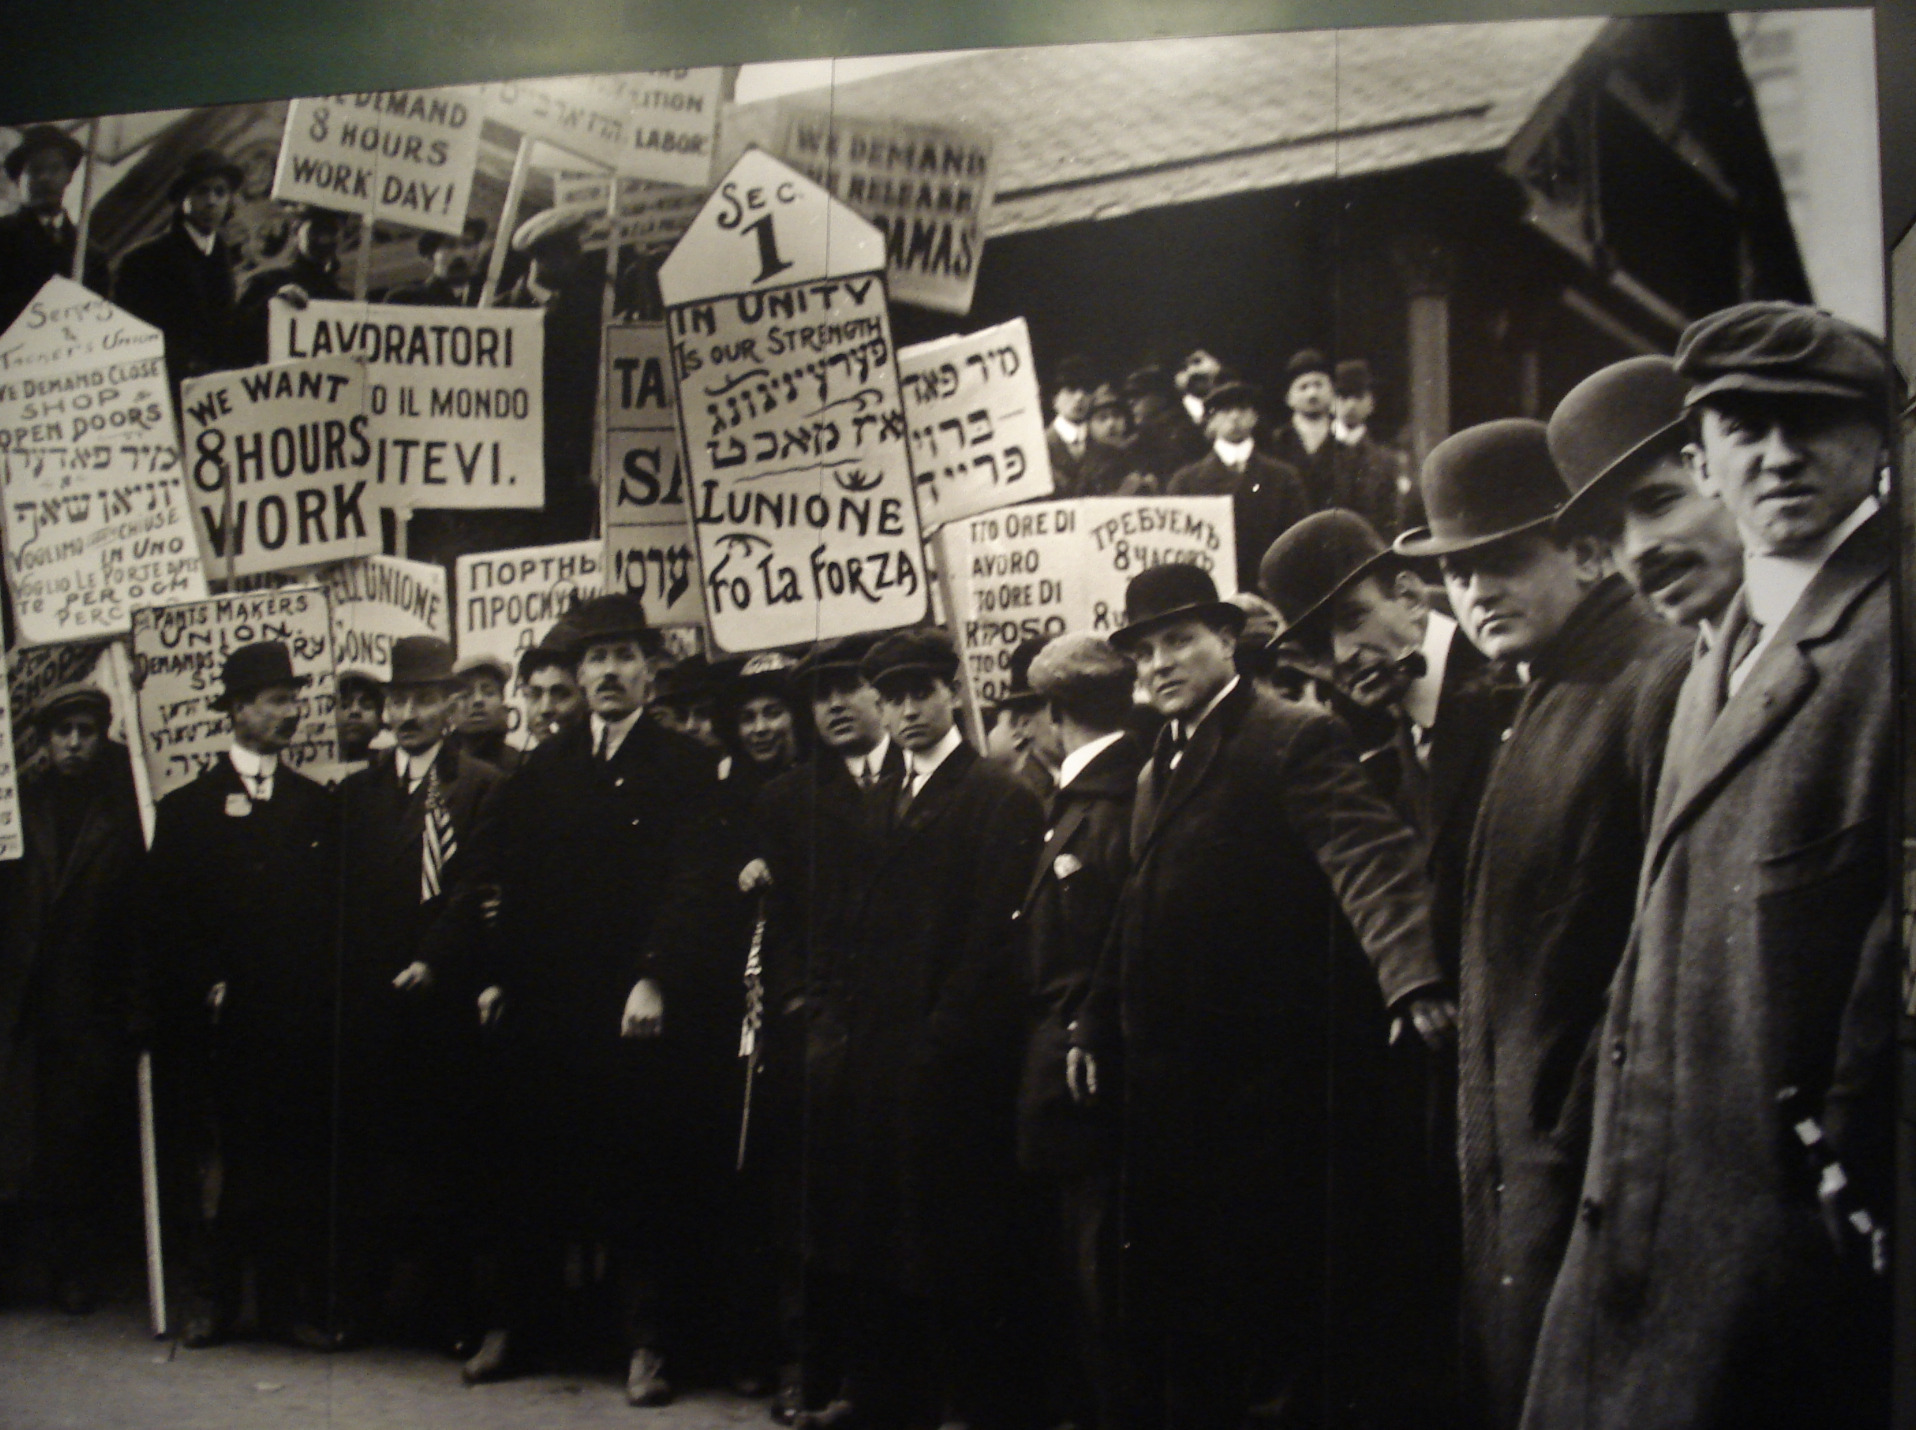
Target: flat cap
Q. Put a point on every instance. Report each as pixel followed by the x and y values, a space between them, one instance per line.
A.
pixel 1782 348
pixel 65 699
pixel 495 666
pixel 921 650
pixel 1019 693
pixel 561 221
pixel 1070 663
pixel 841 654
pixel 1226 395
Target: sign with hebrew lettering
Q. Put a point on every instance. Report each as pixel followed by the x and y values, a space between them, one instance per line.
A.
pixel 977 423
pixel 96 514
pixel 653 124
pixel 406 156
pixel 648 535
pixel 793 424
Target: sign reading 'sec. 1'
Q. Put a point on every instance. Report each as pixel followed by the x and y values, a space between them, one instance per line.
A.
pixel 794 429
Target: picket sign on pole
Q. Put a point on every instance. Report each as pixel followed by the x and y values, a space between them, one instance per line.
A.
pixel 968 702
pixel 86 203
pixel 363 268
pixel 508 220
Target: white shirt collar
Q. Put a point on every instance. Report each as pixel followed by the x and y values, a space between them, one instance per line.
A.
pixel 1074 763
pixel 1311 431
pixel 1348 436
pixel 415 767
pixel 1420 701
pixel 872 760
pixel 1194 406
pixel 1074 433
pixel 1189 727
pixel 921 765
pixel 1772 585
pixel 202 241
pixel 251 764
pixel 1235 455
pixel 620 729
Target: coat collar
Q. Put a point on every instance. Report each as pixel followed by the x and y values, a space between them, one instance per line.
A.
pixel 1156 806
pixel 931 801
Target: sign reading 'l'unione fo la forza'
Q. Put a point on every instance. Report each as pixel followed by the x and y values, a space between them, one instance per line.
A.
pixel 795 438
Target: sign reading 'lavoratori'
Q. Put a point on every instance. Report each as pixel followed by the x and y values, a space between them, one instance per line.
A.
pixel 455 397
pixel 404 155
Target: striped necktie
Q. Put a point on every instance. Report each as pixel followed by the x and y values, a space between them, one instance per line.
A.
pixel 438 844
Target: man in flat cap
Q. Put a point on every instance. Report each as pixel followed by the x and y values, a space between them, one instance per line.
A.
pixel 1267 496
pixel 1303 441
pixel 37 239
pixel 311 271
pixel 1729 1266
pixel 549 688
pixel 1620 437
pixel 68 934
pixel 1022 710
pixel 912 1160
pixel 484 716
pixel 458 269
pixel 1551 877
pixel 415 856
pixel 1110 466
pixel 1367 477
pixel 181 281
pixel 599 834
pixel 1258 848
pixel 1068 1129
pixel 242 910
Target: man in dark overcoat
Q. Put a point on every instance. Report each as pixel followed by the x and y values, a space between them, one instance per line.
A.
pixel 1267 496
pixel 1068 438
pixel 1748 1048
pixel 242 907
pixel 1256 837
pixel 911 1123
pixel 598 835
pixel 311 270
pixel 414 857
pixel 458 270
pixel 37 239
pixel 182 280
pixel 1551 875
pixel 1302 441
pixel 67 991
pixel 1367 477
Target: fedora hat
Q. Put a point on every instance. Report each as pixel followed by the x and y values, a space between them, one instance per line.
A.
pixel 1609 423
pixel 619 616
pixel 1174 591
pixel 1483 484
pixel 207 164
pixel 1315 559
pixel 65 699
pixel 250 669
pixel 422 660
pixel 918 651
pixel 38 139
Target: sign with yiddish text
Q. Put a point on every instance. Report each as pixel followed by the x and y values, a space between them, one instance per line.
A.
pixel 508 600
pixel 977 423
pixel 652 124
pixel 648 538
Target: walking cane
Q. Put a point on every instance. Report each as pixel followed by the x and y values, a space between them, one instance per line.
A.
pixel 748 1032
pixel 150 1201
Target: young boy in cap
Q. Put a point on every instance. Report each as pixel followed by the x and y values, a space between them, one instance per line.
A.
pixel 1551 880
pixel 484 717
pixel 1729 1265
pixel 1367 477
pixel 36 240
pixel 242 908
pixel 1267 496
pixel 181 281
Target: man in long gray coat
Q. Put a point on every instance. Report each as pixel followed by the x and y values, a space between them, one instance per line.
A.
pixel 1747 1049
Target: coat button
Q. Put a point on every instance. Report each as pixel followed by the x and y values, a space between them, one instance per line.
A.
pixel 1591 1211
pixel 1617 1053
pixel 635 824
pixel 619 783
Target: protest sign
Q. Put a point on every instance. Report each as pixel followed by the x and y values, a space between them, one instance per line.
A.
pixel 404 155
pixel 509 599
pixel 380 599
pixel 653 124
pixel 455 397
pixel 177 655
pixel 650 217
pixel 648 539
pixel 95 503
pixel 977 423
pixel 33 672
pixel 12 840
pixel 278 461
pixel 1051 567
pixel 793 424
pixel 927 187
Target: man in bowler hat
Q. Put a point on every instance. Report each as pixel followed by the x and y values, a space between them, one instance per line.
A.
pixel 458 269
pixel 415 856
pixel 1729 1265
pixel 1267 497
pixel 1620 437
pixel 37 239
pixel 181 281
pixel 1303 441
pixel 242 909
pixel 1551 876
pixel 1255 838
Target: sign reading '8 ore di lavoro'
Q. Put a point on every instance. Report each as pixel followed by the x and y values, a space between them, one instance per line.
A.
pixel 508 600
pixel 177 655
pixel 454 396
pixel 977 422
pixel 1052 567
pixel 277 463
pixel 406 155
pixel 648 538
pixel 793 424
pixel 95 506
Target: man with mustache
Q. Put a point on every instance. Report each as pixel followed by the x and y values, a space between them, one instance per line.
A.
pixel 1550 882
pixel 1622 442
pixel 457 270
pixel 414 858
pixel 242 909
pixel 1729 1266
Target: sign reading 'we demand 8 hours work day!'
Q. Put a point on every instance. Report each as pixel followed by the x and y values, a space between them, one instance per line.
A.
pixel 795 438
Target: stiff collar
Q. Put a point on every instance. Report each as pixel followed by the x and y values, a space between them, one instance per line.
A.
pixel 1188 728
pixel 619 730
pixel 873 760
pixel 252 766
pixel 1420 701
pixel 1075 763
pixel 1073 433
pixel 921 765
pixel 1312 432
pixel 204 242
pixel 416 767
pixel 1235 455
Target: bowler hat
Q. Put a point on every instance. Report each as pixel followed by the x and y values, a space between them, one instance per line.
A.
pixel 423 660
pixel 1352 378
pixel 1174 591
pixel 841 654
pixel 430 242
pixel 614 617
pixel 1315 559
pixel 1151 380
pixel 1018 694
pixel 1609 423
pixel 65 699
pixel 480 664
pixel 250 669
pixel 921 650
pixel 1226 395
pixel 1306 360
pixel 38 138
pixel 1483 484
pixel 207 164
pixel 1782 348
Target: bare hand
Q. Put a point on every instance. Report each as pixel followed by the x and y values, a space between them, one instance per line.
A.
pixel 492 1002
pixel 216 997
pixel 1081 1075
pixel 1434 1018
pixel 754 876
pixel 293 296
pixel 644 1011
pixel 416 974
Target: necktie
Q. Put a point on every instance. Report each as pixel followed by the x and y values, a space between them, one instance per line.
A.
pixel 1747 637
pixel 906 789
pixel 1170 745
pixel 438 844
pixel 603 753
pixel 867 776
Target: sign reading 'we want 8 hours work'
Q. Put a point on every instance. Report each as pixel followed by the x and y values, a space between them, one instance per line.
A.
pixel 800 481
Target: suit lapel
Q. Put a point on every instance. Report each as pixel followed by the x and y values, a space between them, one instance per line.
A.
pixel 931 801
pixel 1196 762
pixel 1061 834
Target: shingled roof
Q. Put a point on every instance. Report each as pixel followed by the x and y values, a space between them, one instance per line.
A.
pixel 1102 130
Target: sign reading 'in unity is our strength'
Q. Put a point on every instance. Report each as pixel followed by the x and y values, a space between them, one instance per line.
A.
pixel 793 424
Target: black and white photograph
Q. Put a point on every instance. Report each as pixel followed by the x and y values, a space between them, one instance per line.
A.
pixel 1183 733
